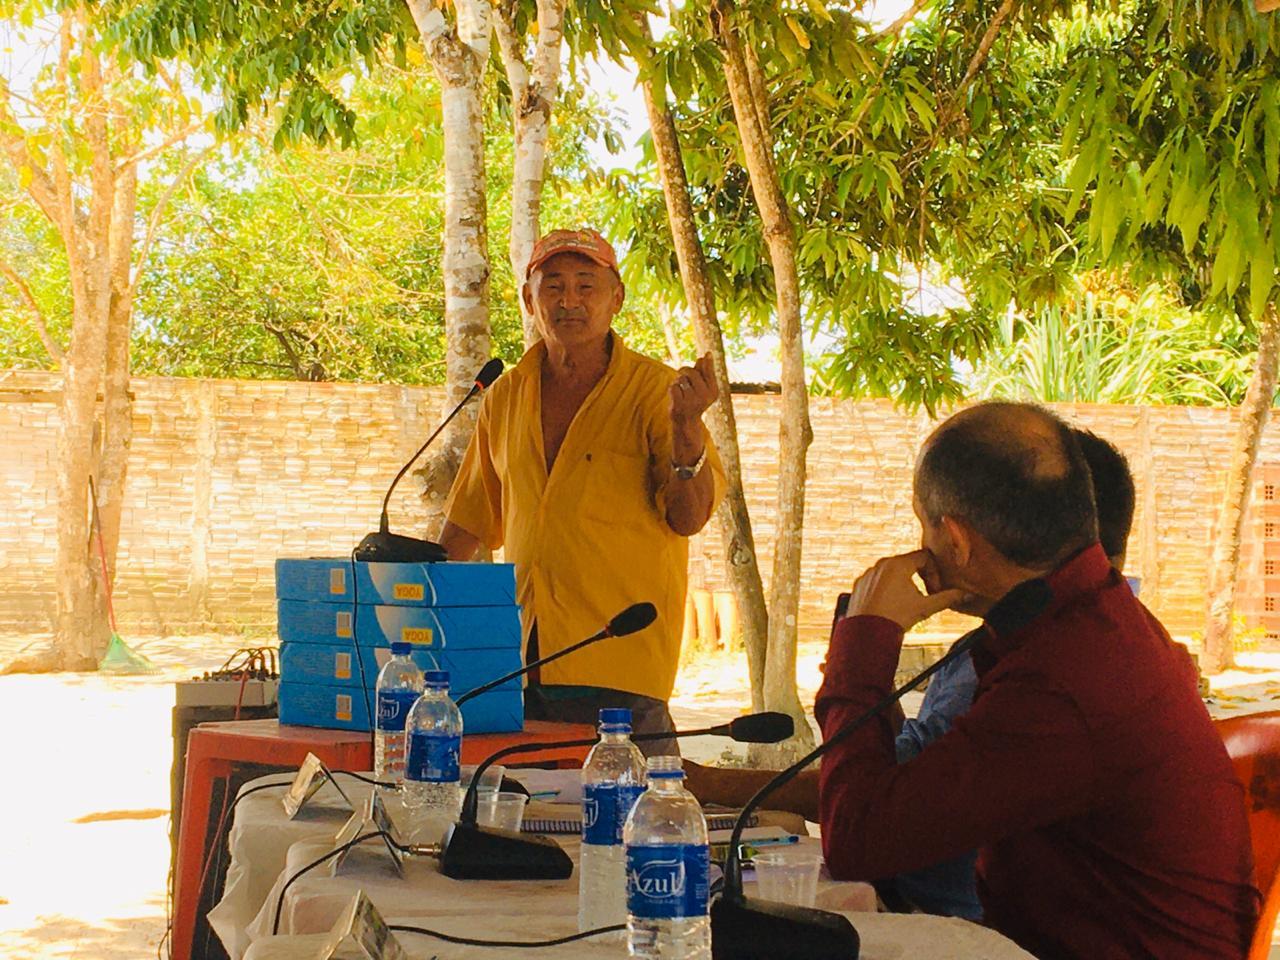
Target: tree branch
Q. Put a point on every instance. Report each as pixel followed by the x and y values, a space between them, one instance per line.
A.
pixel 37 315
pixel 512 52
pixel 157 213
pixel 895 28
pixel 984 49
pixel 168 142
pixel 40 186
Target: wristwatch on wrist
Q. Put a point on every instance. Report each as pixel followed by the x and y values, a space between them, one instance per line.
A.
pixel 688 473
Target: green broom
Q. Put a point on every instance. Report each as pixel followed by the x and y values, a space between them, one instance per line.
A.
pixel 118 658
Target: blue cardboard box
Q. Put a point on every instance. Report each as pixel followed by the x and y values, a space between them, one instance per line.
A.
pixel 301 621
pixel 319 705
pixel 330 580
pixel 335 665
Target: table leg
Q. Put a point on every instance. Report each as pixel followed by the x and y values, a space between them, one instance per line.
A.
pixel 197 800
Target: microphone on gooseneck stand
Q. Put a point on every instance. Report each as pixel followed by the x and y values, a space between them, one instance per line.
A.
pixel 631 620
pixel 743 929
pixel 387 547
pixel 472 852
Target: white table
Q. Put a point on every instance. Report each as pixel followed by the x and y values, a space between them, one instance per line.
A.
pixel 884 936
pixel 267 849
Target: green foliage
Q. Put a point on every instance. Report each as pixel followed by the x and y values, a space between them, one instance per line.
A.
pixel 30 244
pixel 324 263
pixel 1171 116
pixel 884 166
pixel 259 54
pixel 1115 345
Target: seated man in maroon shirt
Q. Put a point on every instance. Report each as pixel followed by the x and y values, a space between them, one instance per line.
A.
pixel 1087 773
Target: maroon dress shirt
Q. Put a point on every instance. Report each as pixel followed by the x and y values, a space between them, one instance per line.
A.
pixel 1088 774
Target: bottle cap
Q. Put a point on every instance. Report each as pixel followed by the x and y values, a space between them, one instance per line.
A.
pixel 665 768
pixel 615 717
pixel 436 678
pixel 401 648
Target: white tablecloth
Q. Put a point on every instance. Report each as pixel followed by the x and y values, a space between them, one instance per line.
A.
pixel 267 849
pixel 885 936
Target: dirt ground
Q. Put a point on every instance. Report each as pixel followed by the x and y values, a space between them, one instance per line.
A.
pixel 86 800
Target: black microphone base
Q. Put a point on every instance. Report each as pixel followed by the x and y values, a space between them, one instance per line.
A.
pixel 392 548
pixel 762 930
pixel 472 852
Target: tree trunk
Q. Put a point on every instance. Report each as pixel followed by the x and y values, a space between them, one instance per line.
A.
pixel 81 632
pixel 117 408
pixel 533 94
pixel 95 222
pixel 732 516
pixel 1224 570
pixel 752 118
pixel 458 55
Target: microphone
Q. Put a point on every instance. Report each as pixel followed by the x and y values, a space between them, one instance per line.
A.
pixel 473 852
pixel 631 620
pixel 387 547
pixel 743 929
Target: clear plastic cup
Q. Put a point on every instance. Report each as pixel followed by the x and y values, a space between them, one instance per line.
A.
pixel 491 781
pixel 788 874
pixel 500 809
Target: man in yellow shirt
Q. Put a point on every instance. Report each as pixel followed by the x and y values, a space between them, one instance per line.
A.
pixel 591 465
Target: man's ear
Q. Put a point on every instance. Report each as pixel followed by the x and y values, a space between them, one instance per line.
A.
pixel 619 295
pixel 526 294
pixel 960 541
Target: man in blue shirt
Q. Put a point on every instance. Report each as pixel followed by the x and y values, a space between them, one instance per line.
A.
pixel 948 888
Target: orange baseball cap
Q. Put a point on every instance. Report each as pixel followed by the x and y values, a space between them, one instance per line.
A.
pixel 588 243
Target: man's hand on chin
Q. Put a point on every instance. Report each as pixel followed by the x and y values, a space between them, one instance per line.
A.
pixel 888 590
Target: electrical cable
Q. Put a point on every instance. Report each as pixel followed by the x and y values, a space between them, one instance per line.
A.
pixel 387 784
pixel 220 833
pixel 531 944
pixel 355 642
pixel 275 925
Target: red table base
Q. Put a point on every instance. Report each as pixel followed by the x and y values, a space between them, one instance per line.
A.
pixel 213 749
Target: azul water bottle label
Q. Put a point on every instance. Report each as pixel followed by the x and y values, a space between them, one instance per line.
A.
pixel 628 794
pixel 433 758
pixel 604 811
pixel 668 882
pixel 393 709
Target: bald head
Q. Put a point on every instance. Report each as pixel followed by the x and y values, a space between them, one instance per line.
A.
pixel 1015 474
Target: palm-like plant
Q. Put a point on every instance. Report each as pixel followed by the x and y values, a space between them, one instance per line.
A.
pixel 1109 347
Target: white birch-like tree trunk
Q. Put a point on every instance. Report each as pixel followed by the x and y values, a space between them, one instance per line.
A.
pixel 533 95
pixel 733 517
pixel 458 52
pixel 1224 567
pixel 751 115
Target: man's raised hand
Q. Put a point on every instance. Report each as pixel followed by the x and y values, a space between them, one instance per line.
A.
pixel 693 391
pixel 888 590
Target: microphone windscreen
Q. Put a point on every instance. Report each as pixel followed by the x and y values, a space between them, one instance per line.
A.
pixel 762 728
pixel 489 373
pixel 636 617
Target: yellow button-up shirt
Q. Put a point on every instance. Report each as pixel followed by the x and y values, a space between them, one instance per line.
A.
pixel 591 538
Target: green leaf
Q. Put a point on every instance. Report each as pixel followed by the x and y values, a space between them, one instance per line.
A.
pixel 819 10
pixel 1262 274
pixel 1271 125
pixel 802 38
pixel 1082 174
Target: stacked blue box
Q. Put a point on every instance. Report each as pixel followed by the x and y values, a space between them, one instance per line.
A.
pixel 336 618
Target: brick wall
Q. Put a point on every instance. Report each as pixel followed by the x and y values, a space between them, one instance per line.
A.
pixel 227 475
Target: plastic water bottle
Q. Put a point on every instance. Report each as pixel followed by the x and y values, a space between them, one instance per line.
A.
pixel 668 862
pixel 612 780
pixel 399 687
pixel 431 775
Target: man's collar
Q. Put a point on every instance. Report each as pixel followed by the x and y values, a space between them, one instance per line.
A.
pixel 1006 625
pixel 532 359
